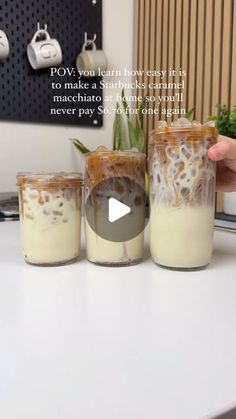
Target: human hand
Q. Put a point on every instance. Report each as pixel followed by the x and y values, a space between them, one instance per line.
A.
pixel 224 153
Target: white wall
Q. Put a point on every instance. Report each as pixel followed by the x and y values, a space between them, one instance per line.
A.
pixel 34 147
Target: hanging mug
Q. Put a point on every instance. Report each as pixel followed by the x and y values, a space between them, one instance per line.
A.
pixel 4 46
pixel 90 63
pixel 44 54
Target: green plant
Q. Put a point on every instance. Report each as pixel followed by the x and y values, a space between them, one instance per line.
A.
pixel 225 121
pixel 80 146
pixel 189 114
pixel 126 133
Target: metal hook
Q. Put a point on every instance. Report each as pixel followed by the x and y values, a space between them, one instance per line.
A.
pixel 39 27
pixel 89 41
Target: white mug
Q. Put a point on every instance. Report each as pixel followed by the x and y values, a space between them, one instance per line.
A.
pixel 90 63
pixel 46 53
pixel 4 46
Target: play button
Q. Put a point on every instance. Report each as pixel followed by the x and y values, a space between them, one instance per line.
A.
pixel 115 209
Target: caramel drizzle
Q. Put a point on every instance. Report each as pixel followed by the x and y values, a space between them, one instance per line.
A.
pixel 49 185
pixel 159 143
pixel 99 167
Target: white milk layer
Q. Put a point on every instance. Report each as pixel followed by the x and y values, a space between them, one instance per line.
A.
pixel 107 252
pixel 181 237
pixel 50 232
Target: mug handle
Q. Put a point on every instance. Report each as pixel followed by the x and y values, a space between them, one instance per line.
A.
pixel 86 44
pixel 40 32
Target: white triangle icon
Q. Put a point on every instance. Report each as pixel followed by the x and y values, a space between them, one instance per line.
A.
pixel 117 210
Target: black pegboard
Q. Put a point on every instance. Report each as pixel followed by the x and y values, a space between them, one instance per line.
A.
pixel 25 94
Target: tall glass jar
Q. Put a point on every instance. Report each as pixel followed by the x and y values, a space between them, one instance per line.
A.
pixel 182 194
pixel 50 217
pixel 122 173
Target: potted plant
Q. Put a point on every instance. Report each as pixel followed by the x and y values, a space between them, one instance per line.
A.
pixel 127 133
pixel 226 125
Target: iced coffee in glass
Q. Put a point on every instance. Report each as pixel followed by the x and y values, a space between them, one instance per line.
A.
pixel 116 172
pixel 50 217
pixel 182 194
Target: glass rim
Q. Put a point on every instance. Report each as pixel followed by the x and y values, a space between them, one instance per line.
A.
pixel 68 179
pixel 173 135
pixel 194 130
pixel 116 153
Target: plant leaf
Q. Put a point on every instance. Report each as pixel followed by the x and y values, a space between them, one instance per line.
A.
pixel 141 138
pixel 116 137
pixel 80 146
pixel 124 128
pixel 140 143
pixel 141 108
pixel 139 119
pixel 225 121
pixel 126 135
pixel 136 136
pixel 133 135
pixel 189 115
pixel 120 130
pixel 125 104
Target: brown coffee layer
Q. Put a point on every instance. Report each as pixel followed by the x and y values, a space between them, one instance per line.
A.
pixel 103 165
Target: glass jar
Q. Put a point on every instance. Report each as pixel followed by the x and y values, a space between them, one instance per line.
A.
pixel 50 217
pixel 182 194
pixel 119 168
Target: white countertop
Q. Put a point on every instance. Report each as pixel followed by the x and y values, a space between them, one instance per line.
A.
pixel 89 342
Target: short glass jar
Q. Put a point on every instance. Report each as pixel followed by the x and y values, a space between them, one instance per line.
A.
pixel 182 194
pixel 115 172
pixel 50 217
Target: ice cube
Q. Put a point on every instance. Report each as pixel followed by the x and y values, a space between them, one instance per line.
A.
pixel 102 149
pixel 182 122
pixel 210 124
pixel 161 124
pixel 133 149
pixel 196 124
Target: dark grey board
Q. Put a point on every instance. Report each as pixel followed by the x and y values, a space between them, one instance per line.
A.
pixel 25 94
